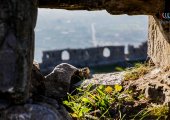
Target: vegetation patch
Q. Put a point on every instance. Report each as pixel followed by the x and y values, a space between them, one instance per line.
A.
pixel 111 102
pixel 136 72
pixel 115 102
pixel 154 111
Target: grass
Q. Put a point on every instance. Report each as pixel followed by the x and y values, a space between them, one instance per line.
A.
pixel 111 102
pixel 136 72
pixel 95 103
pixel 158 112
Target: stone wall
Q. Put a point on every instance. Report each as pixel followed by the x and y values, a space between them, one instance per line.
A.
pixel 84 57
pixel 94 56
pixel 138 53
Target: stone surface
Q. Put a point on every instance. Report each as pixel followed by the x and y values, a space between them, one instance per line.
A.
pixel 83 57
pixel 153 85
pixel 93 57
pixel 17 22
pixel 39 111
pixel 103 79
pixel 158 42
pixel 37 86
pixel 58 82
pixel 134 7
pixel 112 6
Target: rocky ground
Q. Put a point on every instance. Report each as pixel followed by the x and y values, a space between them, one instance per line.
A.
pixel 105 79
pixel 153 86
pixel 46 92
pixel 156 83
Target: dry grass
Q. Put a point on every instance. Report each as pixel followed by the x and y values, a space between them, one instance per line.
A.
pixel 136 72
pixel 158 110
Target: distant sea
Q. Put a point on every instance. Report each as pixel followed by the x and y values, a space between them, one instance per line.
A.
pixel 59 29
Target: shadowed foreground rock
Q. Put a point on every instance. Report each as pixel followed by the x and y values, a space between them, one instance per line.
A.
pixel 37 86
pixel 39 111
pixel 17 22
pixel 62 79
pixel 131 7
pixel 42 104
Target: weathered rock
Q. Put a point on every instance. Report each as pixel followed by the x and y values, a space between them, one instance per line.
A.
pixel 17 22
pixel 103 79
pixel 158 92
pixel 112 6
pixel 58 82
pixel 153 85
pixel 4 104
pixel 158 43
pixel 37 86
pixel 155 93
pixel 43 86
pixel 134 7
pixel 39 111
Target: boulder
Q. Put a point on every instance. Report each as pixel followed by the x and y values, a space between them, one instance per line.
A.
pixel 39 111
pixel 58 82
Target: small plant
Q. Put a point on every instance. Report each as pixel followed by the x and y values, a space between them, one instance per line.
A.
pixel 119 69
pixel 160 111
pixel 97 103
pixel 112 102
pixel 157 112
pixel 135 72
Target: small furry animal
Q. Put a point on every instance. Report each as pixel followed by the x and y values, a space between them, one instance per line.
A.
pixel 78 76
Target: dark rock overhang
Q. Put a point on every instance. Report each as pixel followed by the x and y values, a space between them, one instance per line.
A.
pixel 115 7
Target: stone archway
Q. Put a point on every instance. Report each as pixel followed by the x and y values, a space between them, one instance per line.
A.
pixel 18 19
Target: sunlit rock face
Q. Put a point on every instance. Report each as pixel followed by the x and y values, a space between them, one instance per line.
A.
pixel 159 42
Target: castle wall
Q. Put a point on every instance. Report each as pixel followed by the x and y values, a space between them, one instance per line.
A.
pixel 139 53
pixel 94 56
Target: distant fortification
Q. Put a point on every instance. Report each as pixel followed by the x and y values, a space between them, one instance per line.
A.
pixel 93 56
pixel 139 53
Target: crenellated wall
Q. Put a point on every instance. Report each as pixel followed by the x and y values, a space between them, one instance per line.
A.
pixel 137 53
pixel 84 57
pixel 93 56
